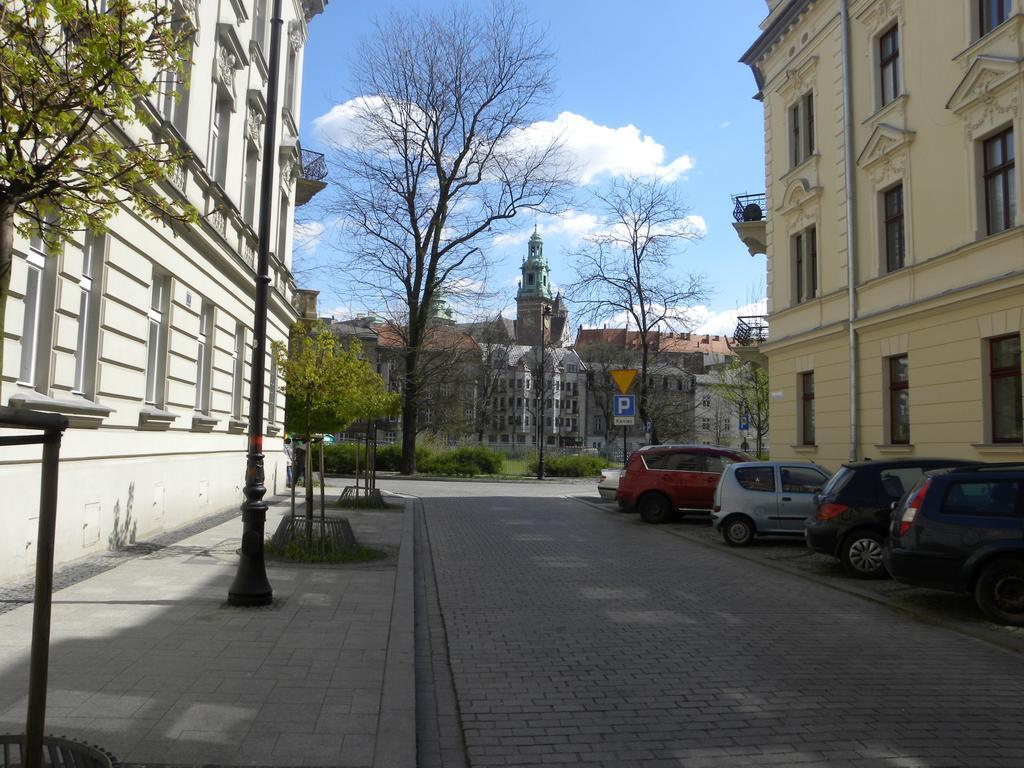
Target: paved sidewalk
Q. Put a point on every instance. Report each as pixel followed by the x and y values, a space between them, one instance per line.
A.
pixel 148 661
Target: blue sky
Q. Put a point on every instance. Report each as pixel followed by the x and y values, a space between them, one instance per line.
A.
pixel 650 86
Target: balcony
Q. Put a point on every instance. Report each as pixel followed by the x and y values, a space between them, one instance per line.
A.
pixel 311 176
pixel 751 212
pixel 751 331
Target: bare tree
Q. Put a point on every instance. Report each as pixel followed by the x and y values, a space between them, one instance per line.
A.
pixel 439 156
pixel 627 271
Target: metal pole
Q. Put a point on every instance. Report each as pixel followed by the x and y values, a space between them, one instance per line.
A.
pixel 41 609
pixel 251 586
pixel 624 457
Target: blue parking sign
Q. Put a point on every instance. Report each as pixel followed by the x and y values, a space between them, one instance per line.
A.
pixel 625 405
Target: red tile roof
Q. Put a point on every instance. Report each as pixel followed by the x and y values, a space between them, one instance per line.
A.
pixel 660 341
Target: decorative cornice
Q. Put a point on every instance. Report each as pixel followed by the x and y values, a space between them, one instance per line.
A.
pixel 880 13
pixel 884 141
pixel 798 79
pixel 985 76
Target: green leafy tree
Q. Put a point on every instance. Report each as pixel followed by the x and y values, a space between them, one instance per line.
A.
pixel 78 139
pixel 745 387
pixel 328 386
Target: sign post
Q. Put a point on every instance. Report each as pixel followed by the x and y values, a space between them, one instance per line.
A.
pixel 624 405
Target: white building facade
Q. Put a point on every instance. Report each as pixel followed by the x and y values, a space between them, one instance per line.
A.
pixel 143 336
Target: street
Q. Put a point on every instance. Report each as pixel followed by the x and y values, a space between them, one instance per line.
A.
pixel 576 634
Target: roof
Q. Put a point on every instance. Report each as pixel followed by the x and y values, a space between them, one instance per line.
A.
pixel 437 338
pixel 660 342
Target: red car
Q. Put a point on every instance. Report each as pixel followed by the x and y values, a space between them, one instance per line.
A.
pixel 661 480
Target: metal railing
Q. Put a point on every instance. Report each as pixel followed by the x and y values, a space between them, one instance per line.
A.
pixel 314 165
pixel 750 207
pixel 751 329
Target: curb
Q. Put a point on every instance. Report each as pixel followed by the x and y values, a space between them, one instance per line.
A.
pixel 984 634
pixel 396 723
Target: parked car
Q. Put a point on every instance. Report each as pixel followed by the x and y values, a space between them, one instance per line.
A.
pixel 765 497
pixel 608 483
pixel 662 480
pixel 851 517
pixel 962 530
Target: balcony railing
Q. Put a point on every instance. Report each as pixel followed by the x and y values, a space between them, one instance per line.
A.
pixel 750 330
pixel 314 166
pixel 749 207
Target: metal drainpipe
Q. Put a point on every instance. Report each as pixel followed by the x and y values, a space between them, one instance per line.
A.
pixel 851 223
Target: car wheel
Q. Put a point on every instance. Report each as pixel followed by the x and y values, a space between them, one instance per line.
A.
pixel 654 508
pixel 999 592
pixel 738 531
pixel 862 555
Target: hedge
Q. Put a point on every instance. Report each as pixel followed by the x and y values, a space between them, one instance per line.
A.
pixel 570 466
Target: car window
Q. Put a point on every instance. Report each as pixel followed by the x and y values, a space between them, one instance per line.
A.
pixel 756 478
pixel 994 498
pixel 656 460
pixel 898 480
pixel 716 464
pixel 837 481
pixel 685 462
pixel 801 479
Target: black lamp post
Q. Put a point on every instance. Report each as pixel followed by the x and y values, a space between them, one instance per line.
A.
pixel 251 586
pixel 544 319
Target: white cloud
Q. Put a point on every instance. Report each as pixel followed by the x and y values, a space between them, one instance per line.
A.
pixel 308 235
pixel 708 320
pixel 339 126
pixel 598 150
pixel 573 224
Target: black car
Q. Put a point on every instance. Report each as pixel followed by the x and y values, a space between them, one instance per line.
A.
pixel 851 518
pixel 962 530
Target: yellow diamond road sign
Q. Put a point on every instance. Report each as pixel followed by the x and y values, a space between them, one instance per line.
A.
pixel 623 378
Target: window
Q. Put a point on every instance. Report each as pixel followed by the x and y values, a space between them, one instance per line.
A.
pixel 805 264
pixel 249 184
pixel 37 327
pixel 756 478
pixel 272 395
pixel 88 315
pixel 203 342
pixel 157 341
pixel 807 408
pixel 899 400
pixel 1004 378
pixel 173 91
pixel 1000 181
pixel 705 424
pixel 895 245
pixel 991 13
pixel 889 64
pixel 997 498
pixel 801 480
pixel 238 372
pixel 706 401
pixel 801 127
pixel 282 230
pixel 219 141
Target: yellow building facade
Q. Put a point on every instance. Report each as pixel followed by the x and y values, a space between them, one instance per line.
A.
pixel 894 228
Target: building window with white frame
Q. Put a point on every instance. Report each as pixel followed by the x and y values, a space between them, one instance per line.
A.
pixel 1005 389
pixel 805 264
pixel 156 347
pixel 90 286
pixel 894 234
pixel 991 13
pixel 249 184
pixel 204 341
pixel 999 175
pixel 889 64
pixel 272 394
pixel 238 372
pixel 173 92
pixel 219 140
pixel 801 128
pixel 806 430
pixel 37 326
pixel 898 371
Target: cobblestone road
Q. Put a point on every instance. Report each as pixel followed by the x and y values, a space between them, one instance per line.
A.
pixel 578 637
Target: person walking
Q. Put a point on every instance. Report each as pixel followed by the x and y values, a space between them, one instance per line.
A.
pixel 289 455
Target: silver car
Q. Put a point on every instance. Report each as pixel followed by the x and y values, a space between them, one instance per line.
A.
pixel 765 497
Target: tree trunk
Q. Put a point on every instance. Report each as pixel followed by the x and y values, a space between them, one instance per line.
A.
pixel 410 407
pixel 6 261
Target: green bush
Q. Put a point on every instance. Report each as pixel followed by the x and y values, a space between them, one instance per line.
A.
pixel 465 462
pixel 340 458
pixel 570 466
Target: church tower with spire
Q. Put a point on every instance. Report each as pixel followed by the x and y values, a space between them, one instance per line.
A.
pixel 533 326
